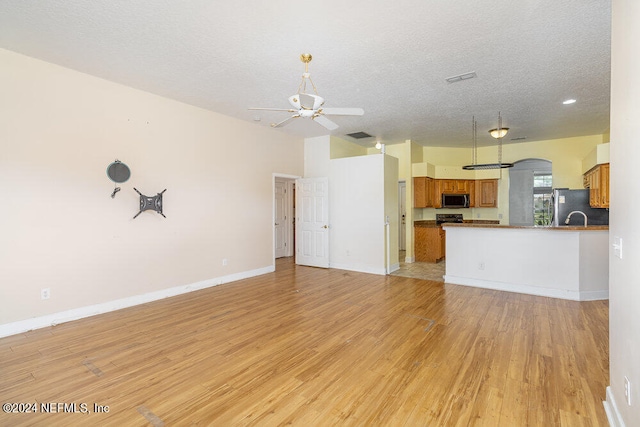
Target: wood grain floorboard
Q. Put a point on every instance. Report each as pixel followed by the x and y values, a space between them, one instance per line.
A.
pixel 306 346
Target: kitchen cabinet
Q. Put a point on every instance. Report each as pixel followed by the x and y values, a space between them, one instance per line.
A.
pixel 429 243
pixel 423 192
pixel 427 192
pixel 486 195
pixel 454 186
pixel 597 181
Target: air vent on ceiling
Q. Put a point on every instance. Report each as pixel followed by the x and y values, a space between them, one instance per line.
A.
pixel 359 135
pixel 461 77
pixel 520 138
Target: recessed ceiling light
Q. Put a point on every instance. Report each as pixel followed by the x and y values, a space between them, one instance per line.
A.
pixel 569 101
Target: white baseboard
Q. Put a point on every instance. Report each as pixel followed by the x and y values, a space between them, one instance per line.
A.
pixel 359 268
pixel 92 310
pixel 394 267
pixel 530 290
pixel 409 259
pixel 610 407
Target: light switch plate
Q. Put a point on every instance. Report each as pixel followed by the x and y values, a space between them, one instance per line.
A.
pixel 617 246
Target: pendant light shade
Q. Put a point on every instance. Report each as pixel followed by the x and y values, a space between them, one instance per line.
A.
pixel 498 132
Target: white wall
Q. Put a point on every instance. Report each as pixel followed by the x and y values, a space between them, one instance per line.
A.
pixel 60 228
pixel 624 283
pixel 357 212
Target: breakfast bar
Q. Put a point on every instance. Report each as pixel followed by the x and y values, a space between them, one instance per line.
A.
pixel 569 262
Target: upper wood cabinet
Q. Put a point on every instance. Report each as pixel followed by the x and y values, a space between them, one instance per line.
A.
pixel 423 192
pixel 597 181
pixel 454 186
pixel 427 192
pixel 486 193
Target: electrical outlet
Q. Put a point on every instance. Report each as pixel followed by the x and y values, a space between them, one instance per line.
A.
pixel 481 266
pixel 224 261
pixel 627 390
pixel 45 293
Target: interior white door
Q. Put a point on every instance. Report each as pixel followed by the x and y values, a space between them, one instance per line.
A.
pixel 280 228
pixel 402 208
pixel 312 222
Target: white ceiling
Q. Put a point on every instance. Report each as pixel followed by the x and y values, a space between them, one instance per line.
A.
pixel 390 58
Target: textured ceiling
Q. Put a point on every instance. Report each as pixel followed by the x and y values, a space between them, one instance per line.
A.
pixel 390 58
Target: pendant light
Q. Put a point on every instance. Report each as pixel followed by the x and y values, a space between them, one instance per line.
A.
pixel 497 133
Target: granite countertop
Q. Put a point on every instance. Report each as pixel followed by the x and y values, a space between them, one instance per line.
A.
pixel 432 222
pixel 524 227
pixel 425 223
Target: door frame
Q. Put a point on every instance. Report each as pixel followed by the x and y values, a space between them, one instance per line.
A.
pixel 291 180
pixel 402 222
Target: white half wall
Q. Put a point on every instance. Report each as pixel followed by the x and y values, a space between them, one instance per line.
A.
pixel 555 263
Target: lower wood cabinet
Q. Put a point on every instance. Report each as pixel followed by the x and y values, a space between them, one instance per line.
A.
pixel 429 244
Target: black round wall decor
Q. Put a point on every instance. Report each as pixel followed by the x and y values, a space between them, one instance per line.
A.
pixel 118 172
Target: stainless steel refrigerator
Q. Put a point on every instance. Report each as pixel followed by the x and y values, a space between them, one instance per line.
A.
pixel 566 201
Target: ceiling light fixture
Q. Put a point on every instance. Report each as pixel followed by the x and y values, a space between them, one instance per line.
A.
pixel 569 101
pixel 380 146
pixel 500 132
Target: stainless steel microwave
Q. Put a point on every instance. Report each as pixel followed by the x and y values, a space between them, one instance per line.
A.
pixel 455 201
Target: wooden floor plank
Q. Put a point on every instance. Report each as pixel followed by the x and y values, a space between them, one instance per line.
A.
pixel 307 346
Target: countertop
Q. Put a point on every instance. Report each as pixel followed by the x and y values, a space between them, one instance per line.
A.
pixel 432 222
pixel 524 227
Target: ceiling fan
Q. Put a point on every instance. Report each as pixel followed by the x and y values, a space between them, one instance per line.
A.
pixel 309 105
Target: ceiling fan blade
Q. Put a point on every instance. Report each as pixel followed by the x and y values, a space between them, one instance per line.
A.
pixel 343 111
pixel 289 110
pixel 325 122
pixel 282 123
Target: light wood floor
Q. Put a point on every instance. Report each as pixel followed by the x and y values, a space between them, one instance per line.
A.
pixel 307 346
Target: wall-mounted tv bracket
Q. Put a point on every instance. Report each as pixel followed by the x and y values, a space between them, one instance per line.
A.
pixel 118 172
pixel 150 202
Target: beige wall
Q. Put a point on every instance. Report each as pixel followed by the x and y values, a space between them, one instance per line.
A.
pixel 340 148
pixel 61 229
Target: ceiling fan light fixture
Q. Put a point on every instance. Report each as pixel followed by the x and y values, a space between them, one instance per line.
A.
pixel 310 105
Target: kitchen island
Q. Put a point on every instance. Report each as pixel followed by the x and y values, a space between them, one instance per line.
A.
pixel 568 262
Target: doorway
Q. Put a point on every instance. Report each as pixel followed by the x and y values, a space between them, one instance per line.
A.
pixel 283 216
